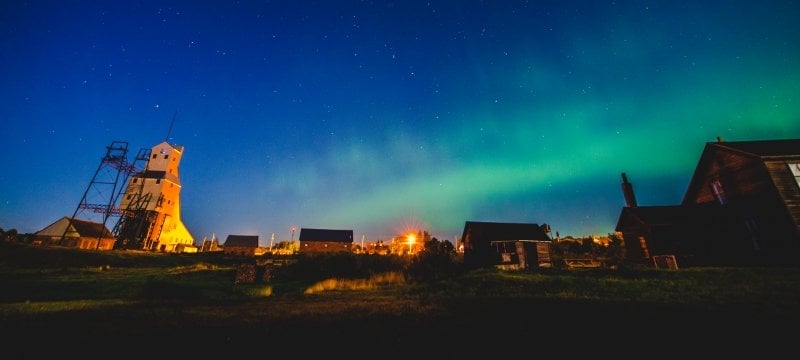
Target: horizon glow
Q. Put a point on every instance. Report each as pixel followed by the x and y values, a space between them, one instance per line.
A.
pixel 384 116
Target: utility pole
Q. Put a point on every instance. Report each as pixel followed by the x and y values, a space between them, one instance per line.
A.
pixel 271 239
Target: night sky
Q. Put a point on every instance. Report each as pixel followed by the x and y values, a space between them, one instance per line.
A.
pixel 382 116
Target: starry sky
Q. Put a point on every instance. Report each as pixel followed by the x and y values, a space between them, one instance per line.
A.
pixel 384 116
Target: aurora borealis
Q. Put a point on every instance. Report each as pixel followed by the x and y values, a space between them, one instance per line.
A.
pixel 376 116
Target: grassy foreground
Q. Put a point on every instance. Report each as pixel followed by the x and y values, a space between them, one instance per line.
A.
pixel 191 302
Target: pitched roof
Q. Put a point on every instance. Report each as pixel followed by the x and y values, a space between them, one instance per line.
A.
pixel 242 240
pixel 491 231
pixel 307 234
pixel 683 215
pixel 91 229
pixel 764 148
pixel 653 215
pixel 77 228
pixel 152 174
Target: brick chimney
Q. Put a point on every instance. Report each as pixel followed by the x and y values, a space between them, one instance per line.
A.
pixel 627 190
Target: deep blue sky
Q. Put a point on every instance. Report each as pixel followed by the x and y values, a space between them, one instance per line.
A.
pixel 380 116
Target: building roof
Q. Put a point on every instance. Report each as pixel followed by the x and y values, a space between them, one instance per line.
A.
pixel 91 229
pixel 759 150
pixel 653 215
pixel 763 148
pixel 687 216
pixel 152 174
pixel 307 234
pixel 78 227
pixel 242 241
pixel 491 231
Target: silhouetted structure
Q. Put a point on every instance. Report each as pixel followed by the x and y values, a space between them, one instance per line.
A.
pixel 481 240
pixel 246 245
pixel 325 240
pixel 210 244
pixel 627 191
pixel 742 207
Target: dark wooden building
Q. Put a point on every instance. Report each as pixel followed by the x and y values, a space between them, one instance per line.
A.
pixel 325 240
pixel 486 243
pixel 246 245
pixel 742 206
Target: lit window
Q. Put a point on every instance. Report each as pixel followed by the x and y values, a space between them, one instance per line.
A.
pixel 643 244
pixel 795 168
pixel 719 192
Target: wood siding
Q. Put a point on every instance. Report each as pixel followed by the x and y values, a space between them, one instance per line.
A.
pixel 325 246
pixel 741 176
pixel 240 250
pixel 787 188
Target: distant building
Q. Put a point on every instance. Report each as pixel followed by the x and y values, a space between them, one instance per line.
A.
pixel 81 234
pixel 325 240
pixel 245 245
pixel 151 204
pixel 409 244
pixel 492 243
pixel 186 249
pixel 742 206
pixel 210 244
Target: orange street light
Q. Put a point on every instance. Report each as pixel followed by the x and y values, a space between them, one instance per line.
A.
pixel 411 240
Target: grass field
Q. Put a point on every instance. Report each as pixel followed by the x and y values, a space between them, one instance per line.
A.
pixel 73 298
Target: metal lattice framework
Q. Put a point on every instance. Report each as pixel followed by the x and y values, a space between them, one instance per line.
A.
pixel 135 220
pixel 99 201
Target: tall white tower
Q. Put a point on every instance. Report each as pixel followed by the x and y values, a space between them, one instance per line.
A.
pixel 151 204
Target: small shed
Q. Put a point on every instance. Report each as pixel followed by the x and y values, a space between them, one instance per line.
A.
pixel 486 242
pixel 77 233
pixel 245 245
pixel 325 240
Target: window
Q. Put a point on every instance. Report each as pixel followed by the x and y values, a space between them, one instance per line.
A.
pixel 166 156
pixel 158 181
pixel 795 168
pixel 719 192
pixel 135 180
pixel 643 245
pixel 155 155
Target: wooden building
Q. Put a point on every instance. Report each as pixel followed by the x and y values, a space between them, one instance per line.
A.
pixel 493 243
pixel 244 245
pixel 151 204
pixel 742 206
pixel 77 233
pixel 325 240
